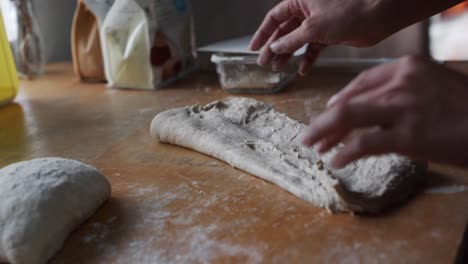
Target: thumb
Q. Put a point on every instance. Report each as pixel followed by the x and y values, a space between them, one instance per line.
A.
pixel 293 41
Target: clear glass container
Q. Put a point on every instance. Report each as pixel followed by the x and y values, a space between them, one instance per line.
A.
pixel 242 74
pixel 24 36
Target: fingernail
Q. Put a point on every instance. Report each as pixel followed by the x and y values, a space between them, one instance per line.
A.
pixel 275 66
pixel 276 46
pixel 259 61
pixel 316 147
pixel 305 140
pixel 320 147
pixel 312 116
pixel 332 100
pixel 251 46
pixel 336 164
pixel 302 73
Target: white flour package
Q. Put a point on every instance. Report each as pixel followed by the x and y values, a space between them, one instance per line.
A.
pixel 147 43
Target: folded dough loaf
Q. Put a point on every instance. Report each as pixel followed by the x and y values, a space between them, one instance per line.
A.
pixel 41 202
pixel 252 136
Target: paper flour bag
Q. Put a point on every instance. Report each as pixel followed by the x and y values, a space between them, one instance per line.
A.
pixel 147 43
pixel 86 43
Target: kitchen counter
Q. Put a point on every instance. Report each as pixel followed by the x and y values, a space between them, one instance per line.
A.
pixel 170 204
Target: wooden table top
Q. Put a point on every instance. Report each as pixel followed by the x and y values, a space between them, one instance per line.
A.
pixel 171 204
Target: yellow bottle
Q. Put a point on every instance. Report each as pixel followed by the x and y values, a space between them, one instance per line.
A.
pixel 8 76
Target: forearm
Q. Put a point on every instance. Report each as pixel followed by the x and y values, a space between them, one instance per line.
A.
pixel 403 13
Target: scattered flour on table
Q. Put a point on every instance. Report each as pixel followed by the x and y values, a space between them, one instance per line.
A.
pixel 145 110
pixel 111 91
pixel 357 252
pixel 154 217
pixel 447 189
pixel 375 249
pixel 201 88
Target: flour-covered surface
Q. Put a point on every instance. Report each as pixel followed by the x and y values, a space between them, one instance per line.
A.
pixel 177 206
pixel 154 210
pixel 230 212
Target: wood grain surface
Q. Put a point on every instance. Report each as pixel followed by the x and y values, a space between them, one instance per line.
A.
pixel 174 205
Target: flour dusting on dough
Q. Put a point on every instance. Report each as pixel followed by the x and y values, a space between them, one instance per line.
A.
pixel 41 202
pixel 252 136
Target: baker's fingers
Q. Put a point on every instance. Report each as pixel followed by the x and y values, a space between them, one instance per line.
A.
pixel 309 58
pixel 362 145
pixel 367 80
pixel 278 15
pixel 346 117
pixel 291 42
pixel 330 141
pixel 266 56
pixel 310 31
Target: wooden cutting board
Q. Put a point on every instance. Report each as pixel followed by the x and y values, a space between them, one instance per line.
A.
pixel 171 204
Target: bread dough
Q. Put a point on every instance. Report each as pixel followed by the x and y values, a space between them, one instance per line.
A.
pixel 41 202
pixel 252 136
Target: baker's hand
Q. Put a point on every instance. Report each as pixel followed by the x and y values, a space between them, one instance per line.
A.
pixel 411 106
pixel 319 23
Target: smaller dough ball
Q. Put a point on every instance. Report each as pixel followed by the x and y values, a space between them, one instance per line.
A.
pixel 41 202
